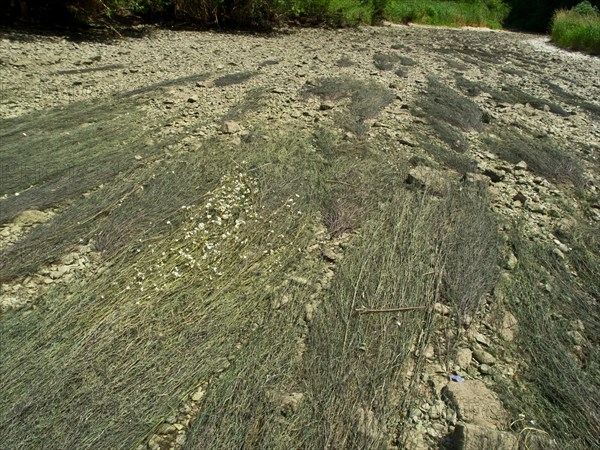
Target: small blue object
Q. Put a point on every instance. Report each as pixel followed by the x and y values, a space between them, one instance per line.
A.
pixel 457 378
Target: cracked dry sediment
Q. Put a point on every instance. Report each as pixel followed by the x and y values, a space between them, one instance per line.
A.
pixel 178 77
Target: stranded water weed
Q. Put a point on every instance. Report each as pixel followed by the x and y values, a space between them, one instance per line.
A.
pixel 208 231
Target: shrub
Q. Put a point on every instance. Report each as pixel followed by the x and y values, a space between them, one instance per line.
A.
pixel 577 29
pixel 328 12
pixel 585 8
pixel 488 13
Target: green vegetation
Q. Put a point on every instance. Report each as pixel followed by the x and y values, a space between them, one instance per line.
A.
pixel 578 28
pixel 265 13
pixel 453 13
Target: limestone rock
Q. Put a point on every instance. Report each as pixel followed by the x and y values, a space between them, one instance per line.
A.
pixel 474 437
pixel 521 165
pixel 494 174
pixel 475 403
pixel 485 369
pixel 30 217
pixel 437 409
pixel 427 178
pixel 290 403
pixel 482 339
pixel 484 357
pixel 508 326
pixel 198 395
pixel 442 309
pixel 464 357
pixel 511 262
pixel 367 424
pixel 230 127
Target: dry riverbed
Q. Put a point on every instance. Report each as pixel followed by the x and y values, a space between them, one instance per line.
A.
pixel 429 110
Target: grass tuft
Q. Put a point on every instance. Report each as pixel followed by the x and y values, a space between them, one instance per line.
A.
pixel 576 31
pixel 367 99
pixel 543 155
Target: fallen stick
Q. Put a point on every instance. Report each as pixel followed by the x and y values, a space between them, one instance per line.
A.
pixel 364 310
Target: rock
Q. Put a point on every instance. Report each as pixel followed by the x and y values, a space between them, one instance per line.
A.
pixel 415 413
pixel 309 312
pixel 577 325
pixel 485 369
pixel 442 309
pixel 166 428
pixel 511 262
pixel 290 403
pixel 429 352
pixel 508 326
pixel 425 177
pixel 477 179
pixel 154 443
pixel 562 247
pixel 299 280
pixel 576 337
pixel 30 217
pixel 521 165
pixel 329 254
pixel 520 197
pixel 438 383
pixel 475 403
pixel 192 99
pixel 473 437
pixel 367 424
pixel 558 253
pixel 484 357
pixel 495 175
pixel 326 106
pixel 59 272
pixel 408 143
pixel 437 409
pixel 482 339
pixel 464 357
pixel 198 395
pixel 415 440
pixel 221 364
pixel 230 127
pixel 8 303
pixel 180 440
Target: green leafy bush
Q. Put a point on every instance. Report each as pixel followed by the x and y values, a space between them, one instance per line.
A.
pixel 585 8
